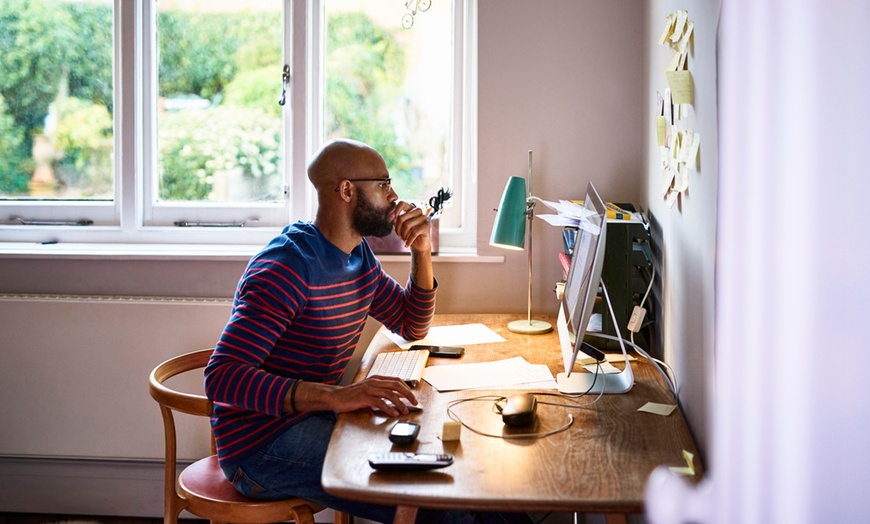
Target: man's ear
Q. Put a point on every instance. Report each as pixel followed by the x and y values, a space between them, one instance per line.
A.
pixel 345 190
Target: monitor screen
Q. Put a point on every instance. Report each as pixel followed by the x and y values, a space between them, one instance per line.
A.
pixel 584 276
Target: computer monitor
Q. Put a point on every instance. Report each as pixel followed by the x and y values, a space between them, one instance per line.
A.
pixel 578 301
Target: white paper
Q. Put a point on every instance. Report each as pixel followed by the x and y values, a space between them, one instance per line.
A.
pixel 459 335
pixel 569 214
pixel 606 368
pixel 512 373
pixel 559 220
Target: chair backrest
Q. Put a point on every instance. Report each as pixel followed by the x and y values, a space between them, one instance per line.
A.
pixel 171 399
pixel 245 511
pixel 179 401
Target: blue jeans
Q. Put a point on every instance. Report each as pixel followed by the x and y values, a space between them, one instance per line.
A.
pixel 291 467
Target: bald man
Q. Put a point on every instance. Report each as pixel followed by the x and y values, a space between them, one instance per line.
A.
pixel 297 315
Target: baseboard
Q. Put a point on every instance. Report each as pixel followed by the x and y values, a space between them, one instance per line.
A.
pixel 112 488
pixel 81 487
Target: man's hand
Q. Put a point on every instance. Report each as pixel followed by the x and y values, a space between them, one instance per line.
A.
pixel 413 228
pixel 372 393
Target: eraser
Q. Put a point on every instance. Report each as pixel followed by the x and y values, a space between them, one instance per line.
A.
pixel 451 430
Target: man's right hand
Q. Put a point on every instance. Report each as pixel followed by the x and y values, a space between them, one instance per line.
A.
pixel 373 393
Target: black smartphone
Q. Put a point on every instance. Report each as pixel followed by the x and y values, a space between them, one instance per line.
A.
pixel 404 433
pixel 442 351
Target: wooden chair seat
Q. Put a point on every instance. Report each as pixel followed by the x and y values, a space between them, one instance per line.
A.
pixel 202 488
pixel 208 492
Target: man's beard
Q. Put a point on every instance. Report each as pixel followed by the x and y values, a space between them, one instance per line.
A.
pixel 368 220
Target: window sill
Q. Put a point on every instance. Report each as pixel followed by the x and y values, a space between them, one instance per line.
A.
pixel 216 252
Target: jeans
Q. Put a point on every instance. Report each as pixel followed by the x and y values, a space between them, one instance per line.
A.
pixel 291 467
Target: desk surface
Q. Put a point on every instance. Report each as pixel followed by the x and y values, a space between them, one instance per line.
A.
pixel 599 465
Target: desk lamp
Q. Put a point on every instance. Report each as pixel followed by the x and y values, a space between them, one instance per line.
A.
pixel 509 230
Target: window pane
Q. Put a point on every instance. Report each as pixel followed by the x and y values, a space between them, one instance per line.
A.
pixel 219 133
pixel 392 87
pixel 56 131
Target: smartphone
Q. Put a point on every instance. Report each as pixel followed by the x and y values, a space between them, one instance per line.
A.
pixel 404 433
pixel 442 351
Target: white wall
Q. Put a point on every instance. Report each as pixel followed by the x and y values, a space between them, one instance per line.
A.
pixel 685 235
pixel 789 441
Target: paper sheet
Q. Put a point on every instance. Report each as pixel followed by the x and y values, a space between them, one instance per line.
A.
pixel 658 409
pixel 512 373
pixel 459 335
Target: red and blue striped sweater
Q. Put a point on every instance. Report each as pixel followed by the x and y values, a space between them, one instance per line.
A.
pixel 298 313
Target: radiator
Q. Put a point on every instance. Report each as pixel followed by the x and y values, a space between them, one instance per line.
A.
pixel 74 373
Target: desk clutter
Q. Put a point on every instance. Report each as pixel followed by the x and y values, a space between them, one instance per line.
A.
pixel 627 269
pixel 596 434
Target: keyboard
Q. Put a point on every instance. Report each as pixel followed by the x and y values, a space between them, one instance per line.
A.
pixel 406 365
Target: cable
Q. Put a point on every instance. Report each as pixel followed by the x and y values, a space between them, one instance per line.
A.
pixel 496 399
pixel 670 377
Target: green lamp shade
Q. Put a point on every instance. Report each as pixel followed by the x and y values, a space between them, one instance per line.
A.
pixel 509 229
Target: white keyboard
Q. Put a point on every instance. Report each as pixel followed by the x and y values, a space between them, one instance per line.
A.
pixel 406 365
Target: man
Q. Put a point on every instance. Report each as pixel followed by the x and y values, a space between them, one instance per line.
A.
pixel 297 315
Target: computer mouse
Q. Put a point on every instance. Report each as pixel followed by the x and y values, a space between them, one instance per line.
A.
pixel 519 410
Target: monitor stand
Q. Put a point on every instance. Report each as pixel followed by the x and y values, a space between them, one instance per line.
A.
pixel 595 383
pixel 613 383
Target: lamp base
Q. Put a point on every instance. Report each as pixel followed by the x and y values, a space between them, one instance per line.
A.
pixel 533 327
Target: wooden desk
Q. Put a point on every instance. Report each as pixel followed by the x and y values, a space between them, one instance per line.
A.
pixel 599 465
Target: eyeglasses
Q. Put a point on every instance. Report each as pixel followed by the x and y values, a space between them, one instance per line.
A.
pixel 385 183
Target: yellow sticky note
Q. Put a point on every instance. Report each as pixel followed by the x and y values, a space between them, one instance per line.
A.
pixel 692 159
pixel 675 62
pixel 683 44
pixel 658 409
pixel 667 179
pixel 680 25
pixel 689 470
pixel 669 28
pixel 680 83
pixel 660 129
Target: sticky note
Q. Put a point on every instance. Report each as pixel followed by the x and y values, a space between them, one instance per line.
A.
pixel 667 178
pixel 683 45
pixel 679 25
pixel 658 409
pixel 689 470
pixel 680 83
pixel 678 179
pixel 660 129
pixel 675 62
pixel 671 199
pixel 692 157
pixel 669 28
pixel 685 145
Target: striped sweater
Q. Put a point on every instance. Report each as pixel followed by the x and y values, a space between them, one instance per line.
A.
pixel 298 313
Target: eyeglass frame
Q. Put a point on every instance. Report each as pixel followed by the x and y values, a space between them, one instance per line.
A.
pixel 388 181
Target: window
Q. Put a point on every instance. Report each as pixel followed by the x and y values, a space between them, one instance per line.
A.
pixel 157 122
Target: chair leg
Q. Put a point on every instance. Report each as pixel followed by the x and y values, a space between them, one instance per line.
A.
pixel 304 514
pixel 343 518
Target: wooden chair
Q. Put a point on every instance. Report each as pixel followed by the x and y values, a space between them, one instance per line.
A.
pixel 202 488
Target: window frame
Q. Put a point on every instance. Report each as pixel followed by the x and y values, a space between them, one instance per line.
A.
pixel 131 218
